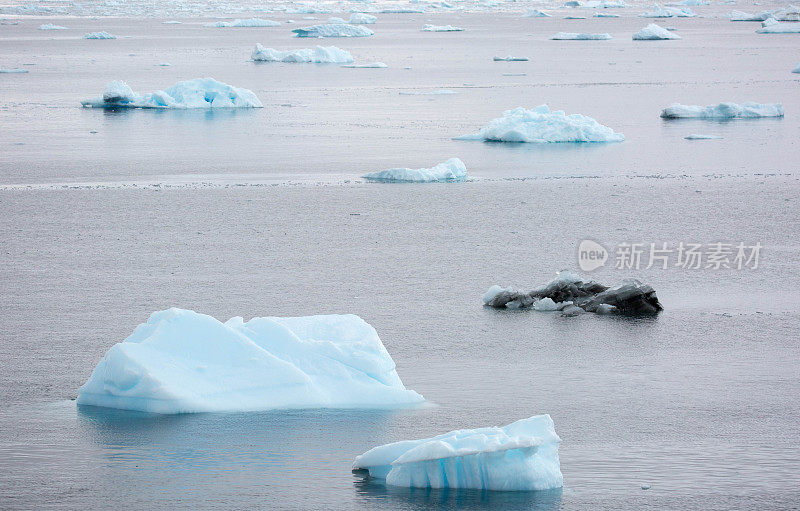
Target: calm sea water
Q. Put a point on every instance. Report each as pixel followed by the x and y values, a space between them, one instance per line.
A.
pixel 700 403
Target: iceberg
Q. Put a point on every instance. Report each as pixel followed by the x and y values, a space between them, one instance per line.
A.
pixel 541 125
pixel 574 36
pixel 535 13
pixel 509 58
pixel 522 456
pixel 13 70
pixel 180 361
pixel 248 23
pixel 797 69
pixel 368 65
pixel 441 28
pixel 653 32
pixel 605 15
pixel 334 30
pixel 50 26
pixel 572 295
pixel 668 12
pixel 321 55
pixel 99 35
pixel 453 170
pixel 696 136
pixel 197 93
pixel 743 16
pixel 723 111
pixel 360 18
pixel 771 26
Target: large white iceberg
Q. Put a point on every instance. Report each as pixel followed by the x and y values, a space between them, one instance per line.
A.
pixel 99 35
pixel 441 28
pixel 723 111
pixel 360 18
pixel 771 26
pixel 668 12
pixel 541 125
pixel 522 456
pixel 181 361
pixel 653 32
pixel 197 93
pixel 320 55
pixel 574 36
pixel 450 171
pixel 248 23
pixel 334 30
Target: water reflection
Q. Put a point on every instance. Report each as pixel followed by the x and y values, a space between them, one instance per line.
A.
pixel 375 493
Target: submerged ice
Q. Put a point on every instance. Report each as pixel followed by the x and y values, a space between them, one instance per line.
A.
pixel 723 111
pixel 521 456
pixel 181 361
pixel 320 55
pixel 574 36
pixel 240 23
pixel 197 93
pixel 541 125
pixel 441 28
pixel 450 171
pixel 572 295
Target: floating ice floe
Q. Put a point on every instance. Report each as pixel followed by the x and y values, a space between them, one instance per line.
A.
pixel 574 36
pixel 691 3
pixel 668 12
pixel 99 35
pixel 197 93
pixel 653 32
pixel 441 28
pixel 368 65
pixel 172 22
pixel 522 456
pixel 360 18
pixel 509 58
pixel 541 125
pixel 612 4
pixel 697 136
pixel 320 55
pixel 535 13
pixel 772 26
pixel 723 111
pixel 452 170
pixel 334 30
pixel 744 16
pixel 402 10
pixel 574 17
pixel 437 92
pixel 50 26
pixel 13 70
pixel 239 23
pixel 181 361
pixel 605 15
pixel 574 295
pixel 797 69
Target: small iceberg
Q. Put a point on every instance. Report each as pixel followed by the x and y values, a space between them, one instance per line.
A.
pixel 50 26
pixel 541 125
pixel 744 16
pixel 605 15
pixel 182 362
pixel 360 18
pixel 797 69
pixel 441 28
pixel 653 32
pixel 668 12
pixel 574 17
pixel 320 55
pixel 368 65
pixel 522 456
pixel 723 111
pixel 453 170
pixel 99 35
pixel 13 70
pixel 509 58
pixel 573 295
pixel 197 93
pixel 535 13
pixel 334 30
pixel 248 23
pixel 574 36
pixel 772 26
pixel 696 136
